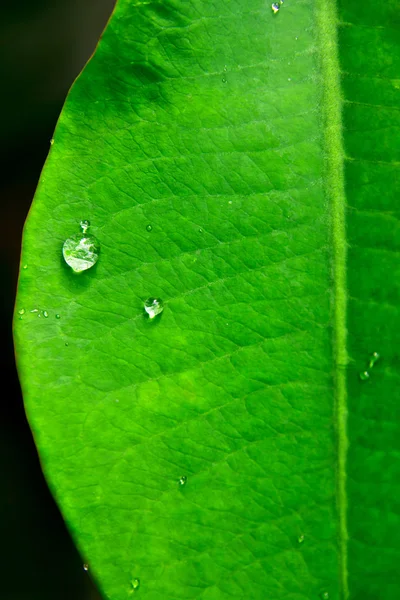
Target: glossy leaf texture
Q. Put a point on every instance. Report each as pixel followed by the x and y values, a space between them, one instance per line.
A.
pixel 212 453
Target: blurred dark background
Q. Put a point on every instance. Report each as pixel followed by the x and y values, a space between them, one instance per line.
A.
pixel 44 44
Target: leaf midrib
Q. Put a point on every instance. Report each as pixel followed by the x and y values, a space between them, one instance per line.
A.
pixel 327 22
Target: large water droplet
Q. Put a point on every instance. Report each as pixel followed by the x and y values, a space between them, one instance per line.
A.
pixel 81 252
pixel 373 359
pixel 182 480
pixel 84 225
pixel 153 307
pixel 364 375
pixel 135 584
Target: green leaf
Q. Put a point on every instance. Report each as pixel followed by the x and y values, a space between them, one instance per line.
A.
pixel 192 452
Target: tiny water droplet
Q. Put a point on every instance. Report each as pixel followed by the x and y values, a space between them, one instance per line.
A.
pixel 275 7
pixel 51 141
pixel 229 201
pixel 200 230
pixel 35 310
pixel 183 480
pixel 66 343
pixel 364 375
pixel 296 38
pixel 21 311
pixel 85 567
pixel 225 68
pixel 81 252
pixel 153 307
pixel 57 316
pixel 135 584
pixel 373 359
pixel 324 596
pixel 25 267
pixel 224 80
pixel 149 227
pixel 20 318
pixel 84 225
pixel 300 539
pixel 45 314
pixel 289 79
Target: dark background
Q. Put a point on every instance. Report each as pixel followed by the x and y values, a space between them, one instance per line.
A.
pixel 44 44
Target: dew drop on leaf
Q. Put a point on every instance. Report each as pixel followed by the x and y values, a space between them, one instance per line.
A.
pixel 81 252
pixel 45 314
pixel 21 311
pixel 135 584
pixel 85 225
pixel 153 307
pixel 57 316
pixel 364 375
pixel 275 7
pixel 300 539
pixel 149 227
pixel 66 343
pixel 182 480
pixel 51 141
pixel 85 567
pixel 25 267
pixel 224 80
pixel 324 596
pixel 373 359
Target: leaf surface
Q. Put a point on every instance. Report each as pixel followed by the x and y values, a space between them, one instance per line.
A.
pixel 220 126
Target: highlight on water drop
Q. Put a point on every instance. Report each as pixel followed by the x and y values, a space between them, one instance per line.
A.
pixel 373 359
pixel 149 227
pixel 81 251
pixel 153 307
pixel 364 375
pixel 85 567
pixel 135 584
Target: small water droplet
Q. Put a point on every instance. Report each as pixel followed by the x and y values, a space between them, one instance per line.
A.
pixel 45 314
pixel 364 375
pixel 21 311
pixel 57 316
pixel 182 480
pixel 275 7
pixel 84 225
pixel 20 318
pixel 81 252
pixel 224 80
pixel 296 38
pixel 85 567
pixel 25 267
pixel 66 343
pixel 373 359
pixel 225 68
pixel 35 310
pixel 289 79
pixel 229 201
pixel 51 141
pixel 200 230
pixel 300 539
pixel 153 307
pixel 149 227
pixel 324 596
pixel 135 584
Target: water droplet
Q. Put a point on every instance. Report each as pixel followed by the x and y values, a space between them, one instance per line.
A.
pixel 51 141
pixel 373 359
pixel 225 68
pixel 275 7
pixel 183 480
pixel 86 567
pixel 20 318
pixel 21 311
pixel 135 584
pixel 57 316
pixel 25 267
pixel 45 314
pixel 300 539
pixel 81 252
pixel 153 307
pixel 84 225
pixel 296 38
pixel 289 79
pixel 364 375
pixel 200 230
pixel 149 227
pixel 224 80
pixel 324 596
pixel 35 310
pixel 66 343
